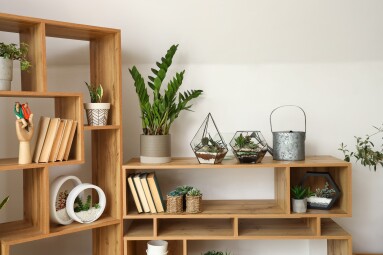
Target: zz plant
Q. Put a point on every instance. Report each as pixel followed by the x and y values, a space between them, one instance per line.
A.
pixel 159 113
pixel 11 51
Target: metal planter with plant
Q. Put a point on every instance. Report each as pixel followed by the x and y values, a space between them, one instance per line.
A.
pixel 8 53
pixel 249 146
pixel 159 113
pixel 96 111
pixel 299 196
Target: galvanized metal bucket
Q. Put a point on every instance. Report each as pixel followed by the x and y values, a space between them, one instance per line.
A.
pixel 288 145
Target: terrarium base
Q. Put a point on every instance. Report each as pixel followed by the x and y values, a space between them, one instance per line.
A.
pixel 210 158
pixel 251 158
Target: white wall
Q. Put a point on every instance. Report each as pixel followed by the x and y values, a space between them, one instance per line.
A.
pixel 248 57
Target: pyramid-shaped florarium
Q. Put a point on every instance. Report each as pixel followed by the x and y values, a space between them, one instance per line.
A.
pixel 208 144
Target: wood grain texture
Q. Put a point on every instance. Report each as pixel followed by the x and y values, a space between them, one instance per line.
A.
pixel 339 247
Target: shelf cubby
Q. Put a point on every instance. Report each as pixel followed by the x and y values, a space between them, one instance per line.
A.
pixel 142 228
pixel 298 228
pixel 175 247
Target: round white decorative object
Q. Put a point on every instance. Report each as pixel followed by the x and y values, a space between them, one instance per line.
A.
pixel 72 197
pixel 55 189
pixel 157 247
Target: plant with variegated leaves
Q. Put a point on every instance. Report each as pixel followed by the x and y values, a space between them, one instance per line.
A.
pixel 95 92
pixel 157 116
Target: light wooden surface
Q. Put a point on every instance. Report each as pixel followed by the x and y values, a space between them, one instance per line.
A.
pixel 244 219
pixel 105 67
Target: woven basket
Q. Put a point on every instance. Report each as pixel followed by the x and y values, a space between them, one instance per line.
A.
pixel 174 204
pixel 193 204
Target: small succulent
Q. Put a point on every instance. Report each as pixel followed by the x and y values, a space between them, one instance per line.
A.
pixel 61 201
pixel 80 206
pixel 194 192
pixel 183 190
pixel 95 92
pixel 5 200
pixel 174 193
pixel 208 144
pixel 216 253
pixel 300 192
pixel 11 51
pixel 325 192
pixel 245 142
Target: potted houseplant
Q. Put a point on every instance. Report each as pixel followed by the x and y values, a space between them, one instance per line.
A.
pixel 249 146
pixel 194 201
pixel 96 111
pixel 159 113
pixel 8 53
pixel 5 200
pixel 321 198
pixel 299 196
pixel 183 190
pixel 174 201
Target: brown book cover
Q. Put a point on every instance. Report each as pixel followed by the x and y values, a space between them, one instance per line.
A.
pixel 57 141
pixel 134 193
pixel 64 142
pixel 156 192
pixel 42 132
pixel 49 139
pixel 70 140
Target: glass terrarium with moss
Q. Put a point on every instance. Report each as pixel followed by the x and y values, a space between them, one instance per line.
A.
pixel 208 144
pixel 249 146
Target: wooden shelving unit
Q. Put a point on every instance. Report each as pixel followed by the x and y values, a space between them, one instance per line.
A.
pixel 242 219
pixel 105 68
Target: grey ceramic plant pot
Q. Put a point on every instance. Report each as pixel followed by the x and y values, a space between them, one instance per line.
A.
pixel 299 205
pixel 155 149
pixel 6 73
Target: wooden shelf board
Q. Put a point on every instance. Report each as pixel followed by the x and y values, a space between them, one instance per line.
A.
pixel 331 230
pixel 140 228
pixel 15 24
pixel 107 127
pixel 17 230
pixel 332 213
pixel 12 164
pixel 222 209
pixel 276 228
pixel 195 228
pixel 267 162
pixel 38 94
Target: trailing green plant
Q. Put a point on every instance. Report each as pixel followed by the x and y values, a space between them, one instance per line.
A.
pixel 5 200
pixel 81 206
pixel 326 192
pixel 174 193
pixel 208 144
pixel 300 192
pixel 95 92
pixel 365 151
pixel 157 116
pixel 183 190
pixel 11 51
pixel 194 192
pixel 216 253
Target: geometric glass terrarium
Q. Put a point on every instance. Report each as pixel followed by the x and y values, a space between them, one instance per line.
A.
pixel 249 146
pixel 325 191
pixel 208 144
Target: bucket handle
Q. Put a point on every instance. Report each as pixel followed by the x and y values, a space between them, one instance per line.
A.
pixel 304 114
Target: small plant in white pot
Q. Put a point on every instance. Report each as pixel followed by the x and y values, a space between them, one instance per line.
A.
pixel 299 196
pixel 8 53
pixel 159 113
pixel 96 111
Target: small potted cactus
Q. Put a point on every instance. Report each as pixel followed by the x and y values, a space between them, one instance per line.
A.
pixel 96 111
pixel 194 201
pixel 174 202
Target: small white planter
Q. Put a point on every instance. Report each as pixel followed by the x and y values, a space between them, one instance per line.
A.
pixel 6 73
pixel 157 247
pixel 60 216
pixel 97 113
pixel 299 205
pixel 92 214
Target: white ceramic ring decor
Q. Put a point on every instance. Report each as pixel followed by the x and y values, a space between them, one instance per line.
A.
pixel 55 188
pixel 75 193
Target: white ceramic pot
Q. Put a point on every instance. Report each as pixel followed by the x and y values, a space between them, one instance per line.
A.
pixel 97 113
pixel 157 247
pixel 75 193
pixel 299 205
pixel 55 189
pixel 6 73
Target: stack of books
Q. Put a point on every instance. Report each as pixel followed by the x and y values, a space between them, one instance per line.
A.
pixel 146 192
pixel 54 139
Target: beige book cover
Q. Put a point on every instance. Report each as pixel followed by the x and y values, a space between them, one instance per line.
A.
pixel 64 142
pixel 70 140
pixel 57 141
pixel 42 132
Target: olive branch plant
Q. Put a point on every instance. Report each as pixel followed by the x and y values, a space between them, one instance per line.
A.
pixel 159 113
pixel 365 151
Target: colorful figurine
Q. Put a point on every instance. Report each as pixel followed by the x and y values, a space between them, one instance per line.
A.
pixel 23 113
